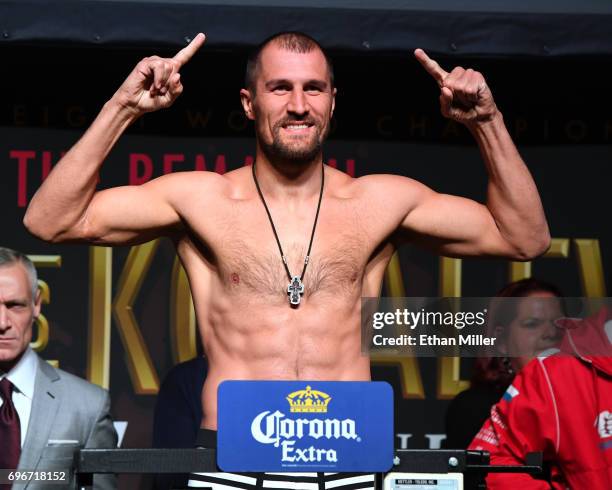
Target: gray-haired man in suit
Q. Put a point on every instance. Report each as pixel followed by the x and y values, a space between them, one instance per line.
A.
pixel 45 413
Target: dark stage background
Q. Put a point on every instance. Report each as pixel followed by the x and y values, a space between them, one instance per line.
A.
pixel 120 317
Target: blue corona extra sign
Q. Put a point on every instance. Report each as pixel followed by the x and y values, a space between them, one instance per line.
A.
pixel 306 426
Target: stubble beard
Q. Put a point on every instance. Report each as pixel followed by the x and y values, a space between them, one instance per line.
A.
pixel 294 154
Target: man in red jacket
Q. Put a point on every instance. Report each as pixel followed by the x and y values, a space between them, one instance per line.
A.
pixel 560 405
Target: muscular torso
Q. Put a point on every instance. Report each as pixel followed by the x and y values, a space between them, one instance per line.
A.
pixel 239 284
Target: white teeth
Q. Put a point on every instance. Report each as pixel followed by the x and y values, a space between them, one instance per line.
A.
pixel 300 126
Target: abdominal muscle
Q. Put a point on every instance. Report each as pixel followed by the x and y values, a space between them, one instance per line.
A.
pixel 251 339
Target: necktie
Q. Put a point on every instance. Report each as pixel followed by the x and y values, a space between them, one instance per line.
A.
pixel 10 429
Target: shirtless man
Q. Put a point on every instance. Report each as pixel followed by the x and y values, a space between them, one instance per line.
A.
pixel 224 236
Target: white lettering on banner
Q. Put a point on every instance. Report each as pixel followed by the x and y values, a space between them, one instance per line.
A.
pixel 307 455
pixel 287 429
pixel 270 428
pixel 316 428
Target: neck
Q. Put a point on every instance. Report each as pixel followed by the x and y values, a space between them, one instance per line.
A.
pixel 287 180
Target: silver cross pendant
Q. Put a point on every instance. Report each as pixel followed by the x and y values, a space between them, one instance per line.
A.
pixel 295 290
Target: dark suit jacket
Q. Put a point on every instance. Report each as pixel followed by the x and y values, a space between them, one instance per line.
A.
pixel 67 413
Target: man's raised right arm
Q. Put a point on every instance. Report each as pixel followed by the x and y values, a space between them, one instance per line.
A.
pixel 67 207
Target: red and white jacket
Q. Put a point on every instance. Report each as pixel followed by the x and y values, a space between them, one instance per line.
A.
pixel 560 405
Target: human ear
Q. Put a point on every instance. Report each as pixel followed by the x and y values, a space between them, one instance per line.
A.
pixel 37 303
pixel 333 106
pixel 246 98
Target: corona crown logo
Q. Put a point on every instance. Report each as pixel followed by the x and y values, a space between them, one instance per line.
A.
pixel 308 401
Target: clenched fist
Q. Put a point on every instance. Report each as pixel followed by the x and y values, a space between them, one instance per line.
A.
pixel 464 94
pixel 155 82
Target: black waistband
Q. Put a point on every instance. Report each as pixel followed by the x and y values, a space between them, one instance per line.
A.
pixel 207 438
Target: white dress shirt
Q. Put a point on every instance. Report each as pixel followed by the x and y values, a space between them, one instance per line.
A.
pixel 23 376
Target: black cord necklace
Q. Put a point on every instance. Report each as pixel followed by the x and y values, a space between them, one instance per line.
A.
pixel 295 288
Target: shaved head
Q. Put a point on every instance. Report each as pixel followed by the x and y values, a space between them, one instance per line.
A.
pixel 295 42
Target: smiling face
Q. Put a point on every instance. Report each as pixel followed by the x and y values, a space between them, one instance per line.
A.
pixel 291 103
pixel 18 310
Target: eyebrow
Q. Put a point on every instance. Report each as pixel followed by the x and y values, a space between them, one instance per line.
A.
pixel 283 81
pixel 16 301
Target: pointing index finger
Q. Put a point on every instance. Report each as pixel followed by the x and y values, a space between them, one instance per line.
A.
pixel 185 54
pixel 431 66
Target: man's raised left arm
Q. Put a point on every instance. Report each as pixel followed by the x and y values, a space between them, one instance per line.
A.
pixel 512 222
